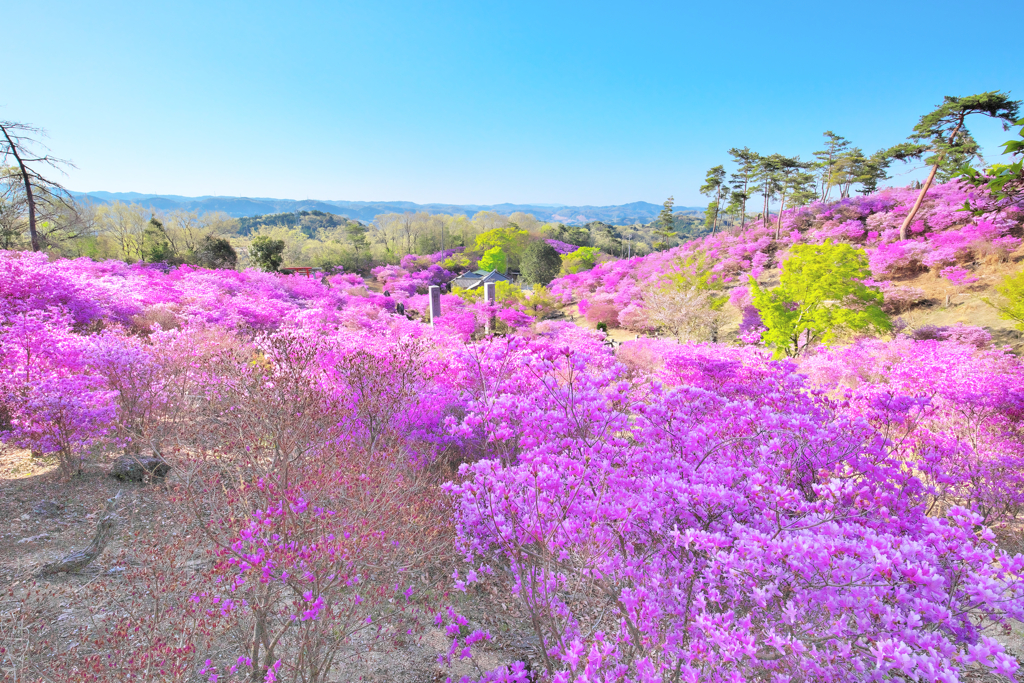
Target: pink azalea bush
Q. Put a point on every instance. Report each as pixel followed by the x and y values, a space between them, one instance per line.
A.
pixel 944 236
pixel 950 408
pixel 725 522
pixel 51 400
pixel 665 511
pixel 562 247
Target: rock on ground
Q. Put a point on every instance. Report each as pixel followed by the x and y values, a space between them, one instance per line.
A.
pixel 136 467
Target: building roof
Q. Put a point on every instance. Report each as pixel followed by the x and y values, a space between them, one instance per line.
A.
pixel 478 278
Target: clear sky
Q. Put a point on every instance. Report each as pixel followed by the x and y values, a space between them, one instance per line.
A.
pixel 483 101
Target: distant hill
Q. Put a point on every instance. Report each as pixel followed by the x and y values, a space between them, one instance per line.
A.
pixel 238 207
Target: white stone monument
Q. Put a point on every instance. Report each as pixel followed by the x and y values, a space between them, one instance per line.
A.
pixel 491 298
pixel 435 303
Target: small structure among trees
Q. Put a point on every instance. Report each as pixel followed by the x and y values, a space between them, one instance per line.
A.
pixel 478 278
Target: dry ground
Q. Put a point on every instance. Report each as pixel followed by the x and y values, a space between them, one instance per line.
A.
pixel 30 537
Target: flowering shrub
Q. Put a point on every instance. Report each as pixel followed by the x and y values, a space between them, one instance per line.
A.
pixel 977 337
pixel 751 325
pixel 950 407
pixel 898 299
pixel 957 275
pixel 49 395
pixel 600 308
pixel 396 279
pixel 697 512
pixel 724 523
pixel 562 247
pixel 943 236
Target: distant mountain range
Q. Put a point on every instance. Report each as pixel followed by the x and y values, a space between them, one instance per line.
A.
pixel 625 214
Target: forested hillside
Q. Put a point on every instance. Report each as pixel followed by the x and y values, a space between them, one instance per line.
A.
pixel 133 232
pixel 241 207
pixel 952 260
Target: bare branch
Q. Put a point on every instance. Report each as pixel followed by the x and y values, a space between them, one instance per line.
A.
pixel 17 140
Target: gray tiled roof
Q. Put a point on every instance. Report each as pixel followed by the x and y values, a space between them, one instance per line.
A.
pixel 473 280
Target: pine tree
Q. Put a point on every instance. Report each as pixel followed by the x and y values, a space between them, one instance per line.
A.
pixel 946 137
pixel 666 223
pixel 741 180
pixel 835 147
pixel 714 184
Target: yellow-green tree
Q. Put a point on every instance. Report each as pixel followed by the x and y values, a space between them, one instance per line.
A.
pixel 125 224
pixel 822 293
pixel 1011 302
pixel 582 259
pixel 508 238
pixel 494 259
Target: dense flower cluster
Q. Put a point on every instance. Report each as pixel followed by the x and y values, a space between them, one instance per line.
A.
pixel 663 511
pixel 943 237
pixel 562 247
pixel 141 293
pixel 399 279
pixel 704 512
pixel 950 409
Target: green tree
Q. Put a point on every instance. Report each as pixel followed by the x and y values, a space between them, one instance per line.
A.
pixel 742 180
pixel 848 170
pixel 791 181
pixel 801 188
pixel 828 159
pixel 1011 302
pixel 767 182
pixel 943 134
pixel 1005 182
pixel 266 253
pixel 356 233
pixel 215 252
pixel 494 259
pixel 155 246
pixel 714 185
pixel 540 263
pixel 822 293
pixel 665 225
pixel 711 216
pixel 508 238
pixel 737 204
pixel 582 259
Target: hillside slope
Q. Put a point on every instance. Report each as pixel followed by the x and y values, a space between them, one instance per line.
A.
pixel 939 276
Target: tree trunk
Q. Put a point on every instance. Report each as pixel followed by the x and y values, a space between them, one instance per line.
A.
pixel 764 220
pixel 928 183
pixel 79 560
pixel 917 203
pixel 28 192
pixel 826 180
pixel 778 225
pixel 718 207
pixel 743 209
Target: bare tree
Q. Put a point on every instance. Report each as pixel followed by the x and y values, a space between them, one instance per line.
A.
pixel 386 231
pixel 126 224
pixel 19 141
pixel 687 313
pixel 12 208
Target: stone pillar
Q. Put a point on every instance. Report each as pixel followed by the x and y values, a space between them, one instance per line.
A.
pixel 490 297
pixel 435 303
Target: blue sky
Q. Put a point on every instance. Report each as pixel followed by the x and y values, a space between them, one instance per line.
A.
pixel 480 102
